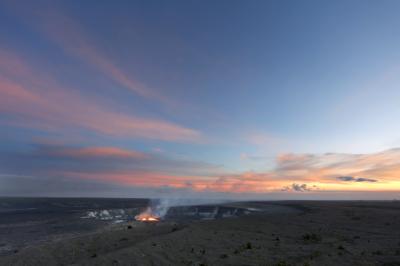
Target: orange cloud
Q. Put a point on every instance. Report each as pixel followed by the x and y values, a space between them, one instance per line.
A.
pixel 302 173
pixel 246 183
pixel 343 171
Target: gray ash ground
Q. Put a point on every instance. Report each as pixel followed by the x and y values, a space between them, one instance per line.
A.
pixel 302 233
pixel 28 221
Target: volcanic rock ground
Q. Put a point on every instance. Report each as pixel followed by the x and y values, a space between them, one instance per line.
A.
pixel 292 233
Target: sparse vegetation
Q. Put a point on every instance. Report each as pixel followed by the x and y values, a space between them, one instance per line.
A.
pixel 315 254
pixel 244 247
pixel 377 252
pixel 282 263
pixel 248 245
pixel 311 237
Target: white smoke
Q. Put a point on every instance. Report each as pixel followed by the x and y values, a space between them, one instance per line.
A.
pixel 160 207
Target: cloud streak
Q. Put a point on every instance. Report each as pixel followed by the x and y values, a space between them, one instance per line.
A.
pixel 34 100
pixel 117 167
pixel 325 167
pixel 309 173
pixel 97 152
pixel 356 179
pixel 70 36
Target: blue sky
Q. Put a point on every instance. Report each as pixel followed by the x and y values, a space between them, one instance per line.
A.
pixel 228 87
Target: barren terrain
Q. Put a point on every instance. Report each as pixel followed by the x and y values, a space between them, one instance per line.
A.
pixel 292 233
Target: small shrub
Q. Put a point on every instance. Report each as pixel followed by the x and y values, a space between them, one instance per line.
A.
pixel 248 245
pixel 378 252
pixel 311 237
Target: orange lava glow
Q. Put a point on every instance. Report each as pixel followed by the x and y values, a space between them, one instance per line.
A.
pixel 149 219
pixel 147 216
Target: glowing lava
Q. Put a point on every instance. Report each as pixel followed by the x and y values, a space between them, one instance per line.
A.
pixel 148 219
pixel 147 216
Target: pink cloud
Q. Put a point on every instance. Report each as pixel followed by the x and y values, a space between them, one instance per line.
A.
pixel 40 102
pixel 307 173
pixel 246 182
pixel 72 38
pixel 95 152
pixel 14 94
pixel 136 178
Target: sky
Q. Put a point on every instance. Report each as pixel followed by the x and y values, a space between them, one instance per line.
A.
pixel 225 99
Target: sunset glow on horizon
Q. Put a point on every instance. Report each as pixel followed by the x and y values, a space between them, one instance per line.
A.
pixel 252 100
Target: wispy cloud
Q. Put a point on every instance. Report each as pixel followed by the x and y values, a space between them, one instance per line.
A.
pixel 38 101
pixel 298 174
pixel 68 33
pixel 96 152
pixel 320 172
pixel 384 166
pixel 111 164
